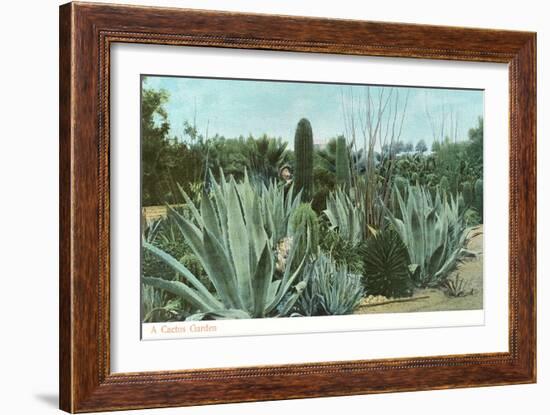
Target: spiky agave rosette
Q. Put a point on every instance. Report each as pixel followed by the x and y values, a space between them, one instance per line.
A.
pixel 232 233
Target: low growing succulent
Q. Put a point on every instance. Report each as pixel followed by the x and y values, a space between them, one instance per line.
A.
pixel 330 289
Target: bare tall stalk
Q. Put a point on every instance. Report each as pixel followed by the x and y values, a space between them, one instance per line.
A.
pixel 444 125
pixel 374 115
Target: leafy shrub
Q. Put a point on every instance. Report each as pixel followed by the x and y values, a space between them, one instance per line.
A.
pixel 324 182
pixel 161 234
pixel 386 266
pixel 342 251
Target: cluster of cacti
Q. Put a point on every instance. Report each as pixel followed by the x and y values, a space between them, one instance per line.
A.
pixel 472 196
pixel 270 227
pixel 416 169
pixel 343 174
pixel 303 151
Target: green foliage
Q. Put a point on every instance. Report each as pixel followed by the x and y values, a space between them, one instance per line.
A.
pixel 433 231
pixel 324 182
pixel 234 245
pixel 457 287
pixel 471 217
pixel 157 306
pixel 330 289
pixel 401 183
pixel 304 217
pixel 346 217
pixel 416 169
pixel 444 184
pixel 154 145
pixel 459 163
pixel 475 147
pixel 421 146
pixel 386 266
pixel 343 175
pixel 164 235
pixel 303 151
pixel 265 157
pixel 276 205
pixel 342 251
pixel 468 194
pixel 478 198
pixel 326 157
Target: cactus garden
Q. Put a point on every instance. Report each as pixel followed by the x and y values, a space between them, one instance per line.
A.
pixel 288 200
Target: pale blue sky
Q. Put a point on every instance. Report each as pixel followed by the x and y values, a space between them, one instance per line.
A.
pixel 242 107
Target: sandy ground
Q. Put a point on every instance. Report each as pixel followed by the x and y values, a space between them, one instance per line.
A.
pixel 471 270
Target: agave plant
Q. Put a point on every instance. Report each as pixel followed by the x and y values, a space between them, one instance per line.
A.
pixel 433 231
pixel 157 306
pixel 277 206
pixel 346 216
pixel 457 287
pixel 235 246
pixel 330 289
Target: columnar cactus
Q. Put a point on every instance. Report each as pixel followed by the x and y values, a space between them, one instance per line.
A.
pixel 305 217
pixel 444 184
pixel 343 177
pixel 467 194
pixel 303 150
pixel 478 197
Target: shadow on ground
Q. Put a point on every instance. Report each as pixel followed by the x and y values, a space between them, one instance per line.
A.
pixel 50 399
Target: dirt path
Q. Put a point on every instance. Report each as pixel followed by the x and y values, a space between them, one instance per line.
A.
pixel 471 270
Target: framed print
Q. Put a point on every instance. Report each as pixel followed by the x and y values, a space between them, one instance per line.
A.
pixel 259 207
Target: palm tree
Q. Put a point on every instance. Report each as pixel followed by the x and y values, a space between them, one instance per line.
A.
pixel 266 156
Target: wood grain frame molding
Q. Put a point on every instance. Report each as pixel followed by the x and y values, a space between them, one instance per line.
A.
pixel 86 33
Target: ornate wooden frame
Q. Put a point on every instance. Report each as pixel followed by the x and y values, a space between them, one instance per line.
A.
pixel 86 33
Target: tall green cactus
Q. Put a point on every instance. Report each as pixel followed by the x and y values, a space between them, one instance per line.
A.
pixel 304 217
pixel 303 150
pixel 343 176
pixel 468 194
pixel 444 184
pixel 478 197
